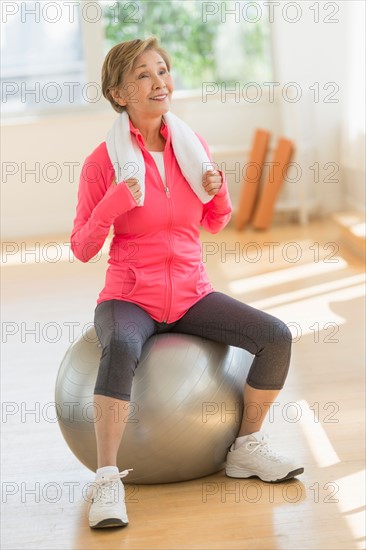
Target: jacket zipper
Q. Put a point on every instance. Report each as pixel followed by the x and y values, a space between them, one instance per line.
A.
pixel 168 300
pixel 169 292
pixel 166 188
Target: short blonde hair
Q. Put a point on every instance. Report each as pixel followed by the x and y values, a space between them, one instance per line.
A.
pixel 120 60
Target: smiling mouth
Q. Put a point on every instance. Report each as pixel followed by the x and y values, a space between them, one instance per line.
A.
pixel 159 97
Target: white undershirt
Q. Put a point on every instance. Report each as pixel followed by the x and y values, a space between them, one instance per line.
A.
pixel 158 156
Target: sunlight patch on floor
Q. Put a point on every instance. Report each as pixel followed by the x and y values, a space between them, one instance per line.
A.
pixel 351 496
pixel 316 314
pixel 323 451
pixel 282 276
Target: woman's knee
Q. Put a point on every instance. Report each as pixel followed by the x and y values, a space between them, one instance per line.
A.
pixel 280 334
pixel 121 348
pixel 117 366
pixel 268 331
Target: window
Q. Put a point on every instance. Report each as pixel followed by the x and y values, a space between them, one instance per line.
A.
pixel 42 57
pixel 208 41
pixel 52 51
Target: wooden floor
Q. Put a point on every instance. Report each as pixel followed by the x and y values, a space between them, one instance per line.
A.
pixel 302 275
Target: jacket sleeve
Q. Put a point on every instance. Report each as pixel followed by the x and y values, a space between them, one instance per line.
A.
pixel 217 212
pixel 99 203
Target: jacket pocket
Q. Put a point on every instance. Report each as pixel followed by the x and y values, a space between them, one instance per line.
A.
pixel 121 280
pixel 128 281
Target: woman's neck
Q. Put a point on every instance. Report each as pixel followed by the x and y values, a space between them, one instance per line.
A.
pixel 150 131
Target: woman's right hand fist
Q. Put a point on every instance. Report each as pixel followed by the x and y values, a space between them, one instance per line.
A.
pixel 134 188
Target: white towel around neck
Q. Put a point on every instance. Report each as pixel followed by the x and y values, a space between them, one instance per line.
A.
pixel 127 159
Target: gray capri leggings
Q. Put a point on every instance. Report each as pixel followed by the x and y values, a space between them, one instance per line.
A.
pixel 123 328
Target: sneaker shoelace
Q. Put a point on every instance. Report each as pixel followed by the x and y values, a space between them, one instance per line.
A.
pixel 106 487
pixel 263 447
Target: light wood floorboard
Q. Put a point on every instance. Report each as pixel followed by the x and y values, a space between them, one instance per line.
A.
pixel 320 295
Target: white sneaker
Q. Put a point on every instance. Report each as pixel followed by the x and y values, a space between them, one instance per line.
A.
pixel 108 508
pixel 256 459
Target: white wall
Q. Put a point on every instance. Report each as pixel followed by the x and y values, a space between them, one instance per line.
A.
pixel 304 52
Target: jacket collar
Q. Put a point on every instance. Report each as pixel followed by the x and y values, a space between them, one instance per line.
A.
pixel 164 130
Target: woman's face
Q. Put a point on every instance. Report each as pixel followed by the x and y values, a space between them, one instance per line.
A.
pixel 147 89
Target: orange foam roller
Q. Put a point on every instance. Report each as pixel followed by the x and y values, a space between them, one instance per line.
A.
pixel 264 211
pixel 253 173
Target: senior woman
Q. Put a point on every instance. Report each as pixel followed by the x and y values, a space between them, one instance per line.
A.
pixel 156 281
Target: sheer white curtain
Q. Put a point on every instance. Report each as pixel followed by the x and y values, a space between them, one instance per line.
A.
pixel 353 107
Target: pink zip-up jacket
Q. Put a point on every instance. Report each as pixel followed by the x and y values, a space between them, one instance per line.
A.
pixel 155 257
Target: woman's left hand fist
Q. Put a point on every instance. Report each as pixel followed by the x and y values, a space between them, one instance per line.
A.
pixel 212 182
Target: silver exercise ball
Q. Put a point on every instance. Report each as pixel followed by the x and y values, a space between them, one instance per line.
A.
pixel 185 410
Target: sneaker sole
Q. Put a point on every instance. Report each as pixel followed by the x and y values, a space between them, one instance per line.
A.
pixel 110 522
pixel 242 474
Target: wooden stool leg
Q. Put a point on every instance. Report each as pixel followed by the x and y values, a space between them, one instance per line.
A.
pixel 252 178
